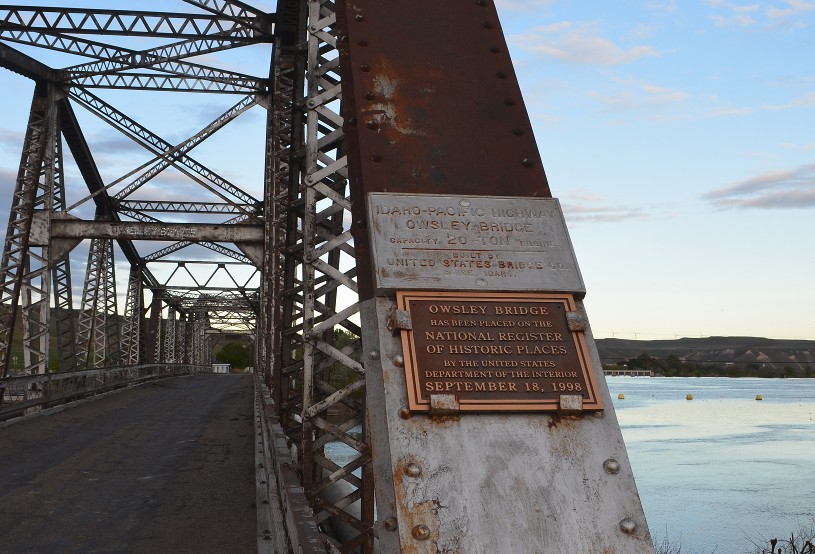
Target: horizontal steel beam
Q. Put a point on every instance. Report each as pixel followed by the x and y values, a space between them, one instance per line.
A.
pixel 119 22
pixel 78 229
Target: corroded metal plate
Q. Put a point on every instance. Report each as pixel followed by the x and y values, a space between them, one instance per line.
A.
pixel 441 242
pixel 495 352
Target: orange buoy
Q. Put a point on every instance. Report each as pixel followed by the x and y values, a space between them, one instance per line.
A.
pixel 689 397
pixel 621 396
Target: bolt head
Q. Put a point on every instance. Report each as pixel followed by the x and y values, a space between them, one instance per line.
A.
pixel 628 526
pixel 421 532
pixel 399 360
pixel 390 524
pixel 611 466
pixel 413 470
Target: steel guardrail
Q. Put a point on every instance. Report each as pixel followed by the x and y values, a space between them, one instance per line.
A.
pixel 24 394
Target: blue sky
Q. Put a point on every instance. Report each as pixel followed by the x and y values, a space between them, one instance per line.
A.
pixel 678 136
pixel 680 139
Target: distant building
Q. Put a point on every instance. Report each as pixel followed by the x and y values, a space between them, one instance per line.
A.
pixel 628 372
pixel 219 367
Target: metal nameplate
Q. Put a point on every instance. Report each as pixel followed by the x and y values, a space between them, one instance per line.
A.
pixel 496 352
pixel 439 242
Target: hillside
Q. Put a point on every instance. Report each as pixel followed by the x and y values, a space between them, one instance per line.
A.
pixel 773 353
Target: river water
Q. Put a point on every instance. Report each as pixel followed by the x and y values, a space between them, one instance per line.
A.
pixel 723 469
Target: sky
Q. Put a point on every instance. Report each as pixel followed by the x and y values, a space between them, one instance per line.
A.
pixel 678 136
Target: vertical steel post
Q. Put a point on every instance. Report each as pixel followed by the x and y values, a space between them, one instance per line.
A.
pixel 21 213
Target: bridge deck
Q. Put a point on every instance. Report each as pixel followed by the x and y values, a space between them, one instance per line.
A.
pixel 165 467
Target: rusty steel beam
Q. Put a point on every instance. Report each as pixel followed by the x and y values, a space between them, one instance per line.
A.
pixel 117 22
pixel 26 66
pixel 457 125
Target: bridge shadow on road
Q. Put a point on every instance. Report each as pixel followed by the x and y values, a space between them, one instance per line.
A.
pixel 164 467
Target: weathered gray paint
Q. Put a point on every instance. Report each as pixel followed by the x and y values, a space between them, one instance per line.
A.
pixel 453 242
pixel 506 482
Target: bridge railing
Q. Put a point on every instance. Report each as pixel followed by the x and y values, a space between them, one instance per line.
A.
pixel 285 519
pixel 26 393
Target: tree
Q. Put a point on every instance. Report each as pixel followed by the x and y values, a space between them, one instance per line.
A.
pixel 236 354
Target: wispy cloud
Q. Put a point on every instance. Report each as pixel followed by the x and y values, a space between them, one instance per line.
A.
pixel 663 7
pixel 735 14
pixel 805 101
pixel 794 188
pixel 578 43
pixel 637 95
pixel 580 206
pixel 792 7
pixel 12 140
pixel 520 4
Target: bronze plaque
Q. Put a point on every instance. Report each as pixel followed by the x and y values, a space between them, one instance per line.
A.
pixel 495 351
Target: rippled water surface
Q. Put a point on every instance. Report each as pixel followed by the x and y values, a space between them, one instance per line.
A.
pixel 723 468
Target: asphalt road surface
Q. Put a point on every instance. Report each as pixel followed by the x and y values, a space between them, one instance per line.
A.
pixel 164 467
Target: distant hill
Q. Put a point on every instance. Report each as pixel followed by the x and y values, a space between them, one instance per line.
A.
pixel 773 353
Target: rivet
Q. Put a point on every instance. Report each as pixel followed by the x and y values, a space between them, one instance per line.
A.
pixel 390 524
pixel 481 2
pixel 404 413
pixel 376 158
pixel 495 50
pixel 372 125
pixel 517 131
pixel 486 24
pixel 413 470
pixel 359 17
pixel 464 203
pixel 313 27
pixel 369 95
pixel 421 532
pixel 628 526
pixel 611 466
pixel 365 68
pixel 526 162
pixel 481 282
pixel 311 103
pixel 363 42
pixel 399 360
pixel 374 355
pixel 352 121
pixel 502 75
pixel 344 38
pixel 509 102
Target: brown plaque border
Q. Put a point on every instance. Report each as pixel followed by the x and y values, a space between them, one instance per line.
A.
pixel 592 402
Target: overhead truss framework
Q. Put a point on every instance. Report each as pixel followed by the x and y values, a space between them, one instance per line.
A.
pixel 276 262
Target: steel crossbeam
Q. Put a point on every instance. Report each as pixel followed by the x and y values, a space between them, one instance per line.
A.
pixel 116 22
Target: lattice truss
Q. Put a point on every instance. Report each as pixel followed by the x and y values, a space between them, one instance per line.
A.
pixel 296 290
pixel 318 382
pixel 130 51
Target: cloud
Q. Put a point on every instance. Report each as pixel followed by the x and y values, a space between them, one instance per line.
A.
pixel 786 189
pixel 805 101
pixel 663 7
pixel 800 147
pixel 11 140
pixel 580 206
pixel 634 95
pixel 578 43
pixel 793 7
pixel 520 4
pixel 738 14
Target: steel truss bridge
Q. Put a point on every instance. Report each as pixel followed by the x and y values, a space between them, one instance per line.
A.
pixel 166 272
